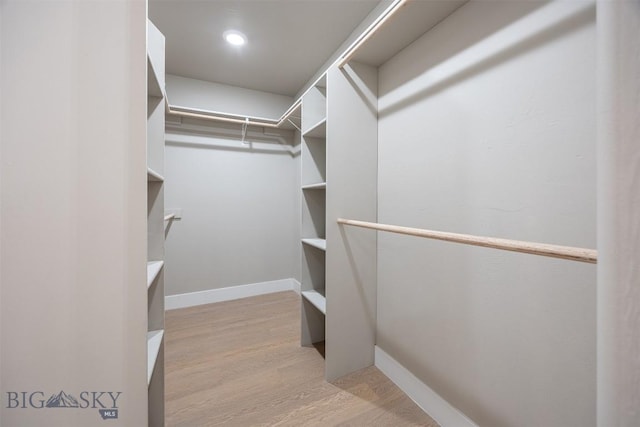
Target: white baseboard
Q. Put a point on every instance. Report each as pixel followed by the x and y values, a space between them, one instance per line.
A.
pixel 296 286
pixel 427 399
pixel 191 299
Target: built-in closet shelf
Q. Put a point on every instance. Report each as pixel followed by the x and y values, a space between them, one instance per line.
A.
pixel 154 176
pixel 156 227
pixel 316 243
pixel 153 269
pixel 318 186
pixel 153 85
pixel 154 341
pixel 317 298
pixel 319 130
pixel 313 174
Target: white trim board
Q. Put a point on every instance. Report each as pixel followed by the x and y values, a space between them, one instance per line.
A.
pixel 428 400
pixel 172 302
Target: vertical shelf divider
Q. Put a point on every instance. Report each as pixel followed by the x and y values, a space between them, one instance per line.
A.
pixel 351 257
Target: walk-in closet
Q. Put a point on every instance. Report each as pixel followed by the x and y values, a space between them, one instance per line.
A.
pixel 372 212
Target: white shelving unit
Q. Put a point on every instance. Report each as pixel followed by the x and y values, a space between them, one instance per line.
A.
pixel 154 88
pixel 339 177
pixel 316 243
pixel 154 341
pixel 317 298
pixel 156 102
pixel 153 269
pixel 319 130
pixel 318 186
pixel 154 176
pixel 314 186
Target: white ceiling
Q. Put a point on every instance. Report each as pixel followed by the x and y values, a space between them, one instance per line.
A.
pixel 289 40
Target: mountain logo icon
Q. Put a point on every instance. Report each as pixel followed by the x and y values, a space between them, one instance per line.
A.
pixel 62 400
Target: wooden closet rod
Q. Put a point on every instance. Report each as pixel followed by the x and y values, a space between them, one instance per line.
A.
pixel 230 118
pixel 222 118
pixel 290 111
pixel 542 249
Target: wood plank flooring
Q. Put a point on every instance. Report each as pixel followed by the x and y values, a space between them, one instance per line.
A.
pixel 239 363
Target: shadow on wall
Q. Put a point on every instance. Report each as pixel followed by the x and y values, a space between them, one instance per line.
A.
pixel 361 285
pixel 471 36
pixel 367 94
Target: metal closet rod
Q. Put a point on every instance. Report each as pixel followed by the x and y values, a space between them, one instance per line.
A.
pixel 254 121
pixel 542 249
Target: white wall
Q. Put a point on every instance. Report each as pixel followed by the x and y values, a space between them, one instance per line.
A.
pixel 618 213
pixel 73 174
pixel 1 137
pixel 198 94
pixel 240 207
pixel 487 127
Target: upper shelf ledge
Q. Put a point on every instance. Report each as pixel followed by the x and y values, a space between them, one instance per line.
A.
pixel 319 130
pixel 153 269
pixel 316 243
pixel 154 176
pixel 318 186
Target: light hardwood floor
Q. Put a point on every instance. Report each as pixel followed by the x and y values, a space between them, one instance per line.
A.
pixel 239 363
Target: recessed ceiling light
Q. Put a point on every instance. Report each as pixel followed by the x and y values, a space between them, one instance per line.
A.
pixel 235 38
